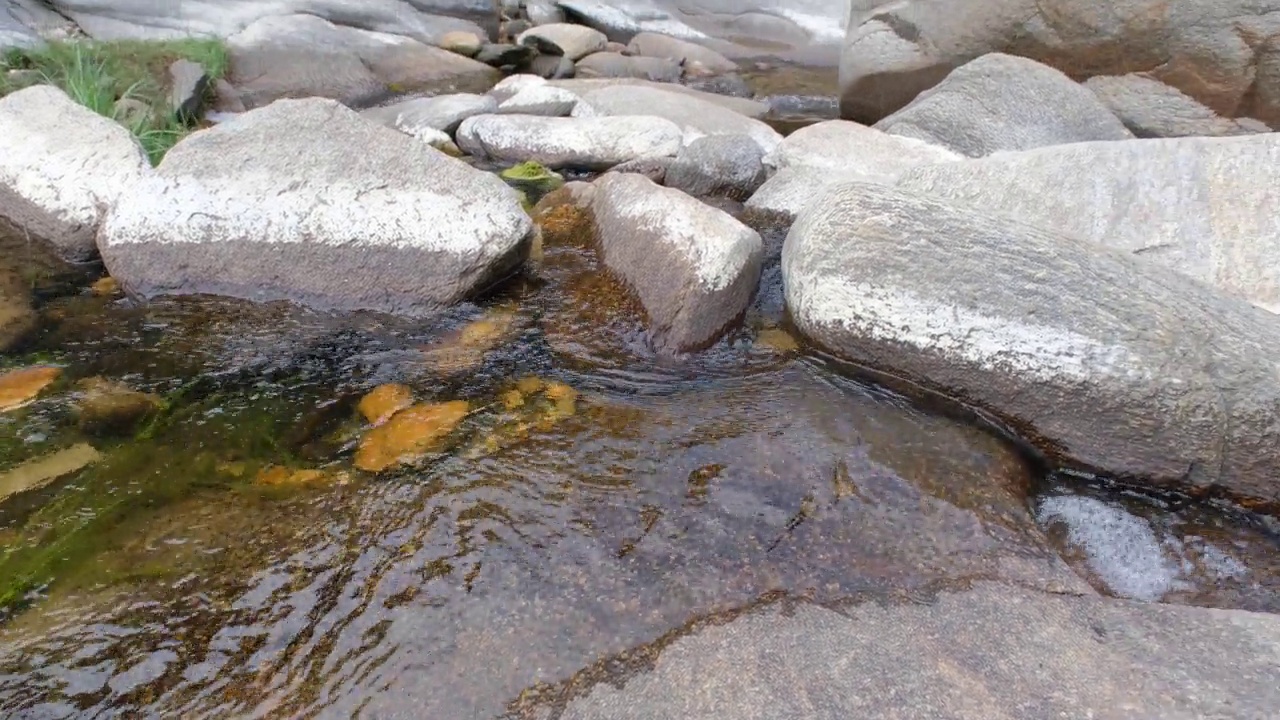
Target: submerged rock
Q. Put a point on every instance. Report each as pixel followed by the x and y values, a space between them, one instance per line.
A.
pixel 21 387
pixel 267 206
pixel 106 407
pixel 464 350
pixel 1110 364
pixel 693 267
pixel 38 473
pixel 409 434
pixel 1002 102
pixel 61 166
pixel 384 401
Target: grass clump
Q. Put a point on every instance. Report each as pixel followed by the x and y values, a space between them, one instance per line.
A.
pixel 124 80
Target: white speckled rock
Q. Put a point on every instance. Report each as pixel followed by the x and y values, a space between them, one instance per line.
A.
pixel 697 117
pixel 510 86
pixel 442 112
pixel 1149 108
pixel 1003 102
pixel 717 165
pixel 1109 363
pixel 824 153
pixel 61 167
pixel 693 267
pixel 540 100
pixel 1205 207
pixel 571 41
pixel 276 205
pixel 586 143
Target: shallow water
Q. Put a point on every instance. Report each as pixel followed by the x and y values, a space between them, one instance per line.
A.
pixel 536 550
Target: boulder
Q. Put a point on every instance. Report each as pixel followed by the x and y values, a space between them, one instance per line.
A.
pixel 504 55
pixel 1001 102
pixel 718 165
pixel 614 65
pixel 426 21
pixel 1216 51
pixel 188 85
pixel 1201 206
pixel 552 67
pixel 952 655
pixel 1151 109
pixel 695 116
pixel 828 152
pixel 276 205
pixel 571 41
pixel 694 268
pixel 743 106
pixel 654 168
pixel 649 44
pixel 582 143
pixel 543 12
pixel 462 42
pixel 1109 364
pixel 294 56
pixel 442 112
pixel 61 166
pixel 540 100
pixel 509 86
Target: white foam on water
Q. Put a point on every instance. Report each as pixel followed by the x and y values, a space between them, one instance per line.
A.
pixel 1122 549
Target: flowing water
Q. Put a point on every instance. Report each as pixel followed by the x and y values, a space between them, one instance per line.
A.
pixel 225 558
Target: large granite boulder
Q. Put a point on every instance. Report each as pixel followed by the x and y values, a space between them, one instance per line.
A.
pixel 304 200
pixel 561 142
pixel 61 166
pixel 296 56
pixel 424 20
pixel 957 656
pixel 693 267
pixel 1149 108
pixel 1223 53
pixel 695 116
pixel 1109 363
pixel 1002 102
pixel 1201 206
pixel 824 153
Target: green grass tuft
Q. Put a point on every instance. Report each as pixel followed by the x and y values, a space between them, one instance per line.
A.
pixel 115 79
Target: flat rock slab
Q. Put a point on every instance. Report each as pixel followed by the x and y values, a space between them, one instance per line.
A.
pixel 1110 363
pixel 586 143
pixel 276 205
pixel 693 267
pixel 1002 102
pixel 993 652
pixel 1202 206
pixel 61 166
pixel 696 116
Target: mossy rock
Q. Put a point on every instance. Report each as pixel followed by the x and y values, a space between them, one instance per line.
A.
pixel 532 178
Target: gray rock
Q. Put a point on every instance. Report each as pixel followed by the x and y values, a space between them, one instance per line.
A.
pixel 1192 204
pixel 226 99
pixel 512 29
pixel 571 41
pixel 1002 102
pixel 17 26
pixel 664 46
pixel 718 165
pixel 812 158
pixel 613 65
pixel 731 85
pixel 504 55
pixel 585 143
pixel 894 51
pixel 266 207
pixel 1108 363
pixel 442 112
pixel 188 83
pixel 462 42
pixel 304 56
pixel 511 85
pixel 954 657
pixel 426 21
pixel 654 168
pixel 697 117
pixel 540 100
pixel 552 67
pixel 1151 109
pixel 61 166
pixel 742 106
pixel 543 12
pixel 693 268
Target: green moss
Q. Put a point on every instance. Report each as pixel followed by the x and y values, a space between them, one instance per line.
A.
pixel 109 77
pixel 532 179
